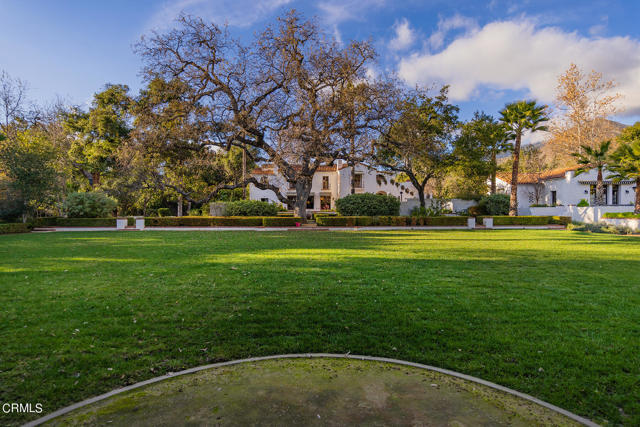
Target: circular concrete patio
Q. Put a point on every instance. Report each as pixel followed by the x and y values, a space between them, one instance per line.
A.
pixel 313 390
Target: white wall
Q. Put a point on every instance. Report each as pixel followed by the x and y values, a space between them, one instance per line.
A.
pixel 632 223
pixel 569 191
pixel 588 214
pixel 339 186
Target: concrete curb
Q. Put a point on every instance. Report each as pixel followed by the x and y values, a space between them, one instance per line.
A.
pixel 494 386
pixel 379 228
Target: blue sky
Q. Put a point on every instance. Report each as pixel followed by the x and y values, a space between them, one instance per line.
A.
pixel 490 52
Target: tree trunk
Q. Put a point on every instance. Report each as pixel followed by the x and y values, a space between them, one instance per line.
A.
pixel 303 188
pixel 600 199
pixel 96 178
pixel 493 172
pixel 636 208
pixel 353 178
pixel 513 202
pixel 179 204
pixel 421 196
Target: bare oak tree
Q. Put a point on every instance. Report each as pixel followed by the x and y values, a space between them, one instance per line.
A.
pixel 279 94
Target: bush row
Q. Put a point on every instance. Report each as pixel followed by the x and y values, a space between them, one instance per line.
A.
pixel 74 222
pixel 364 221
pixel 17 227
pixel 620 215
pixel 526 220
pixel 221 221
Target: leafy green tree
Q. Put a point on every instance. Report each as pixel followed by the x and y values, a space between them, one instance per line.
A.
pixel 418 142
pixel 28 164
pixel 476 149
pixel 591 158
pixel 98 133
pixel 518 118
pixel 624 162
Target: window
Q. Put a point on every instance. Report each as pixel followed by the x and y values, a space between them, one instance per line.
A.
pixel 325 203
pixel 325 182
pixel 311 201
pixel 615 191
pixel 264 199
pixel 554 199
pixel 357 179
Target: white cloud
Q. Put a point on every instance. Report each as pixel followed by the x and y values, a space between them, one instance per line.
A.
pixel 404 35
pixel 518 55
pixel 445 26
pixel 238 13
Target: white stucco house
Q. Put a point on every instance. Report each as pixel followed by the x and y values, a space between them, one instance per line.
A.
pixel 562 187
pixel 330 183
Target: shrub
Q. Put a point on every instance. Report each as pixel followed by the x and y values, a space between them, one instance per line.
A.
pixel 494 204
pixel 562 220
pixel 336 221
pixel 11 228
pixel 599 228
pixel 238 221
pixel 364 221
pixel 474 211
pixel 280 221
pixel 367 204
pixel 85 222
pixel 449 221
pixel 93 204
pixel 251 208
pixel 519 220
pixel 620 215
pixel 203 221
pixel 164 211
pixel 583 203
pixel 45 221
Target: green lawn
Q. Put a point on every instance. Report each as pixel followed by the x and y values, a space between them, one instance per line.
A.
pixel 555 314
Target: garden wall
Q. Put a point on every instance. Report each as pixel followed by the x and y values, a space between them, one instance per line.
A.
pixel 587 214
pixel 632 223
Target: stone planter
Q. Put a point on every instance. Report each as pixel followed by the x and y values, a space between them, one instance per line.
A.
pixel 488 222
pixel 471 223
pixel 139 222
pixel 121 223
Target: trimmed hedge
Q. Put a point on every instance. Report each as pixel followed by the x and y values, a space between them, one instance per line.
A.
pixel 623 215
pixel 11 228
pixel 562 220
pixel 336 221
pixel 221 221
pixel 402 221
pixel 527 220
pixel 73 222
pixel 280 221
pixel 203 221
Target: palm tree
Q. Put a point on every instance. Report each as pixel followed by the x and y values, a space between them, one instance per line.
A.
pixel 517 118
pixel 594 158
pixel 624 162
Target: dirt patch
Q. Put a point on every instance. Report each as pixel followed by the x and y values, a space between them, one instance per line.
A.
pixel 314 392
